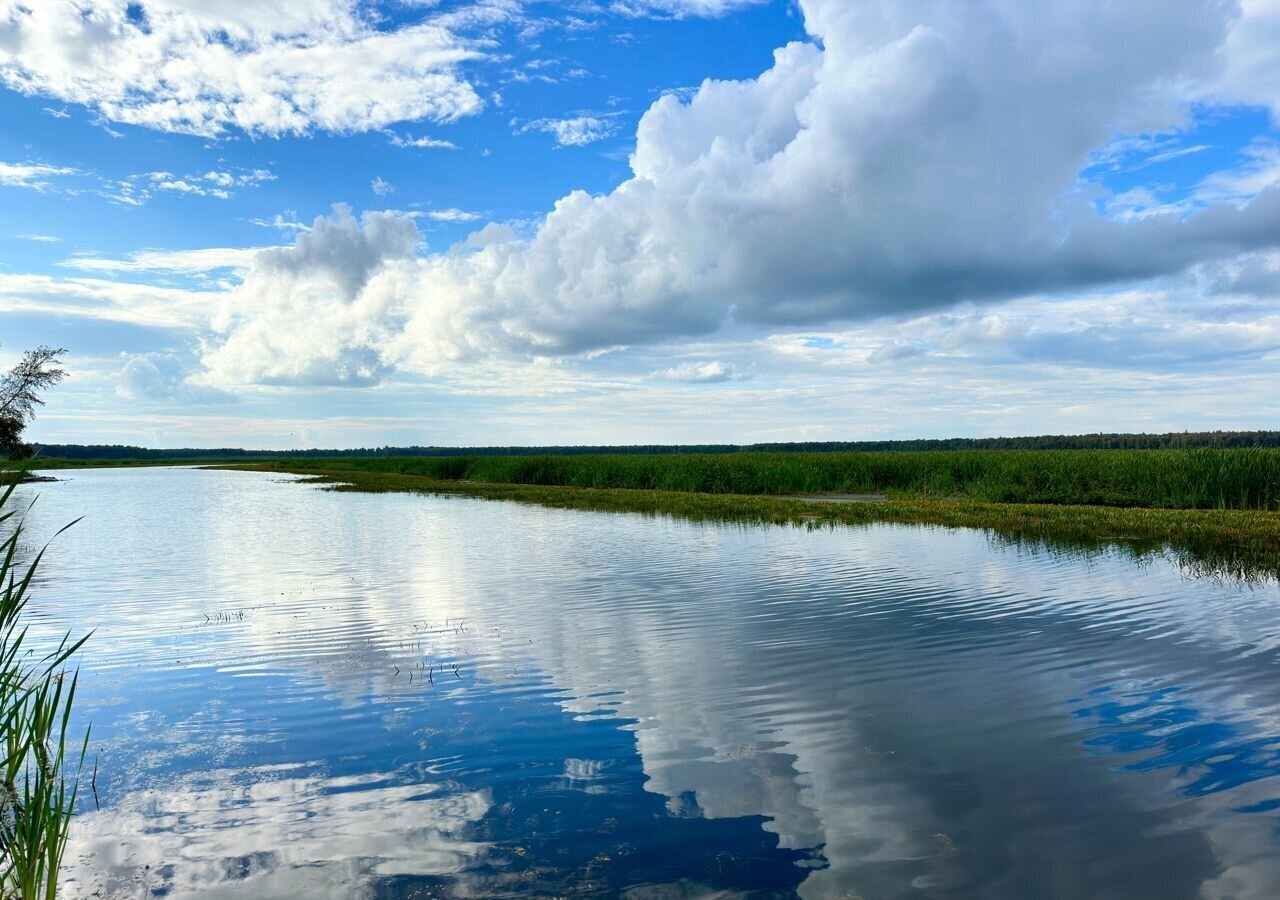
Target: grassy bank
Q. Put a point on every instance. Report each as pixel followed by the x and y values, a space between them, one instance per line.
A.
pixel 1244 478
pixel 1241 544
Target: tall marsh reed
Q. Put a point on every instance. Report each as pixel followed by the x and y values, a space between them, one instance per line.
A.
pixel 41 766
pixel 1205 478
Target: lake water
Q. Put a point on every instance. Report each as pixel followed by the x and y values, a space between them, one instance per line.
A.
pixel 299 693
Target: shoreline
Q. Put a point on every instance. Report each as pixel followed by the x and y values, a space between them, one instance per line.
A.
pixel 28 478
pixel 1236 544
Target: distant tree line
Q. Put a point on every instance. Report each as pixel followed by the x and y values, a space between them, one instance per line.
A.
pixel 1170 441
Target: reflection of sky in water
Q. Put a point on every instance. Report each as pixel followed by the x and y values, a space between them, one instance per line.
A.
pixel 301 693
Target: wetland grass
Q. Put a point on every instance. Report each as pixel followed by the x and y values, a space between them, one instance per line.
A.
pixel 1206 478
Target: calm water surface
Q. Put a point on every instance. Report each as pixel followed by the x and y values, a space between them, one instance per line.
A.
pixel 297 693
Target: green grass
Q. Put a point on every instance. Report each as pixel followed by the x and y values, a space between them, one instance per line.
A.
pixel 1240 544
pixel 1243 478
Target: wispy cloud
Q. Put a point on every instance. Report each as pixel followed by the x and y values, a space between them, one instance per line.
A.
pixel 182 262
pixel 452 215
pixel 709 372
pixel 677 9
pixel 35 176
pixel 286 221
pixel 575 131
pixel 1259 170
pixel 132 190
pixel 1133 154
pixel 408 141
pixel 214 183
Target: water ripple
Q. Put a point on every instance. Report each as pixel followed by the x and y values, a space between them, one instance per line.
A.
pixel 302 693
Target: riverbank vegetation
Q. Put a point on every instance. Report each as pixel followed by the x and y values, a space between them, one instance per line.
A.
pixel 41 765
pixel 1235 543
pixel 1206 478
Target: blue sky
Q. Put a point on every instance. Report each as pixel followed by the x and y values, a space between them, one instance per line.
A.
pixel 337 223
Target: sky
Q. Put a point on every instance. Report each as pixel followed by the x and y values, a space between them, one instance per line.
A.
pixel 338 223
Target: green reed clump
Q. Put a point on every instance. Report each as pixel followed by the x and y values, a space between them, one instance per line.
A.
pixel 38 793
pixel 1205 478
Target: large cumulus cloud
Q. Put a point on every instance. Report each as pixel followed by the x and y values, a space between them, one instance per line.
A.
pixel 909 156
pixel 319 312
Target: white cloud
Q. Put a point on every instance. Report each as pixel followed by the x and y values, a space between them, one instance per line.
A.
pixel 178 185
pixel 1167 333
pixel 1200 356
pixel 31 175
pixel 163 377
pixel 1252 54
pixel 185 262
pixel 896 349
pixel 38 238
pixel 709 372
pixel 452 215
pixel 215 183
pixel 318 312
pixel 286 221
pixel 678 8
pixel 291 67
pixel 1260 170
pixel 146 306
pixel 918 158
pixel 1256 275
pixel 134 190
pixel 382 188
pixel 576 131
pixel 420 143
pixel 239 178
pixel 911 159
